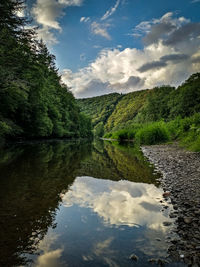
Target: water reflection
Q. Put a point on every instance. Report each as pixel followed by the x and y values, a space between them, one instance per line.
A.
pixel 118 203
pixel 48 256
pixel 32 178
pixel 71 204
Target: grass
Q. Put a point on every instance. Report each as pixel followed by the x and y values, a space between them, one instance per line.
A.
pixel 185 130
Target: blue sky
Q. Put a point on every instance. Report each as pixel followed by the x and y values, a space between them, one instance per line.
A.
pixel 120 45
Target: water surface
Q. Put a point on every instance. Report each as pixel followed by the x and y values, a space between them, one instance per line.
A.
pixel 76 204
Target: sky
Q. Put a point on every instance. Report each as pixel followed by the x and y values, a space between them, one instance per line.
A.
pixel 106 46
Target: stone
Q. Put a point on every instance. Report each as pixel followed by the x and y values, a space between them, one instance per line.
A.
pixel 167 223
pixel 158 239
pixel 152 260
pixel 166 194
pixel 133 257
pixel 187 220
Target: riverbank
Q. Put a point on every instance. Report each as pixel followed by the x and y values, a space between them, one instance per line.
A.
pixel 181 178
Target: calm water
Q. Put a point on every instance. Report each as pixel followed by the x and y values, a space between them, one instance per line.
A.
pixel 72 204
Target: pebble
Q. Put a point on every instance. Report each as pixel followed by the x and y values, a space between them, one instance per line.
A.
pixel 167 223
pixel 181 184
pixel 133 257
pixel 187 220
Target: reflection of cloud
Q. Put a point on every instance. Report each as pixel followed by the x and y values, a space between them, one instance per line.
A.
pixel 118 203
pixel 101 246
pixel 102 249
pixel 49 257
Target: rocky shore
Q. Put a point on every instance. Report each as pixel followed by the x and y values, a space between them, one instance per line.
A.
pixel 181 181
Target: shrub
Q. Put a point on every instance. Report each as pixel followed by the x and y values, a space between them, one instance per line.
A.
pixel 152 134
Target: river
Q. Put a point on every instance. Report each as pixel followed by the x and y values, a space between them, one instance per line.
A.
pixel 79 204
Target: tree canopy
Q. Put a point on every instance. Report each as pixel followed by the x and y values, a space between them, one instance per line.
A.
pixel 34 101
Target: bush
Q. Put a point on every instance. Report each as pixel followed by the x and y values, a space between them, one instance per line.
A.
pixel 152 134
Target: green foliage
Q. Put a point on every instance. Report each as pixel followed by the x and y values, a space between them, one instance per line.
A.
pixel 186 131
pixel 185 101
pixel 126 110
pixel 136 108
pixel 34 102
pixel 99 108
pixel 99 129
pixel 156 104
pixel 151 134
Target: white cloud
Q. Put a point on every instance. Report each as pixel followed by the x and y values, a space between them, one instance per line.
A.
pixel 45 34
pixel 97 46
pixel 118 203
pixel 84 19
pixel 167 58
pixel 101 29
pixel 111 11
pixel 195 1
pixel 154 27
pixel 47 12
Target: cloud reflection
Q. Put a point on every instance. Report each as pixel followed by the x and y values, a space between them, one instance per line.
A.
pixel 49 256
pixel 118 203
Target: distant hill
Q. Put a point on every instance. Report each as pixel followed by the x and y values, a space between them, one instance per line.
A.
pixel 99 108
pixel 116 111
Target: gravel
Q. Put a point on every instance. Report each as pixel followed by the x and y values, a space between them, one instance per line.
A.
pixel 180 180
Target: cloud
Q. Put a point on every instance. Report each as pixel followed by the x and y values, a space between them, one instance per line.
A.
pixel 45 34
pixel 111 11
pixel 168 59
pixel 174 57
pixel 132 83
pixel 195 1
pixel 155 29
pixel 163 62
pixel 100 29
pixel 47 12
pixel 97 46
pixel 186 32
pixel 158 31
pixel 84 19
pixel 152 65
pixel 95 88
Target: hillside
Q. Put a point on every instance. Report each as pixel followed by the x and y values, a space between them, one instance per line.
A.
pixel 99 109
pixel 166 104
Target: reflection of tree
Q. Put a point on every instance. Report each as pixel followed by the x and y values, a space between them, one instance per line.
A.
pixel 32 178
pixel 131 164
pixel 34 175
pixel 116 162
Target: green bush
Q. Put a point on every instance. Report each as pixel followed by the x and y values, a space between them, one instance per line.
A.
pixel 152 134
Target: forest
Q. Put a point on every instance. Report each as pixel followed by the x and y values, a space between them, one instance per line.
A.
pixel 34 101
pixel 36 104
pixel 161 114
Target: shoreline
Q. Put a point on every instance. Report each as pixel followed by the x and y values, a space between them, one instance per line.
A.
pixel 180 171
